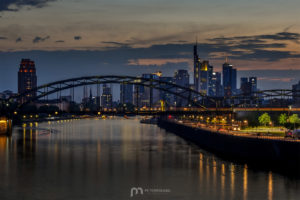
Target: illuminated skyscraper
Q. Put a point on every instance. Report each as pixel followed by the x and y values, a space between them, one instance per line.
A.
pixel 215 87
pixel 106 97
pixel 147 96
pixel 27 79
pixel 229 79
pixel 206 71
pixel 197 66
pixel 165 96
pixel 181 78
pixel 253 82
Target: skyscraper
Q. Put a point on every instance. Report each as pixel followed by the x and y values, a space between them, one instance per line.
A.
pixel 27 78
pixel 167 97
pixel 253 82
pixel 245 86
pixel 215 87
pixel 106 97
pixel 197 66
pixel 248 86
pixel 181 78
pixel 206 71
pixel 229 79
pixel 296 93
pixel 126 93
pixel 148 96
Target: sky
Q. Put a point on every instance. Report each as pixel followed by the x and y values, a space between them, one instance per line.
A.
pixel 71 38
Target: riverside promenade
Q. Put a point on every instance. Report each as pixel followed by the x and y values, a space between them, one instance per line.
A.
pixel 258 150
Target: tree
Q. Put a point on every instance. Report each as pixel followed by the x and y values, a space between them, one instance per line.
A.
pixel 283 119
pixel 264 119
pixel 294 119
pixel 214 121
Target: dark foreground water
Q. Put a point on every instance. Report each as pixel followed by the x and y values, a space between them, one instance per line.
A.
pixel 123 159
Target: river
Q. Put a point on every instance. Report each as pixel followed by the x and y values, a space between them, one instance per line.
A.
pixel 119 159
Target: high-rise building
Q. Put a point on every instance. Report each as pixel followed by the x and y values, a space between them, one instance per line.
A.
pixel 106 97
pixel 197 67
pixel 253 82
pixel 166 96
pixel 245 86
pixel 296 93
pixel 215 87
pixel 27 78
pixel 181 78
pixel 206 71
pixel 248 85
pixel 147 96
pixel 126 93
pixel 229 79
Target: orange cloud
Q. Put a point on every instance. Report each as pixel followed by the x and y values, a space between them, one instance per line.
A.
pixel 158 61
pixel 276 79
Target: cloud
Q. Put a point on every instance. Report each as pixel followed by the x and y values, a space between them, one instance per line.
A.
pixel 15 5
pixel 115 43
pixel 19 39
pixel 59 41
pixel 271 47
pixel 276 79
pixel 159 62
pixel 258 39
pixel 38 39
pixel 77 37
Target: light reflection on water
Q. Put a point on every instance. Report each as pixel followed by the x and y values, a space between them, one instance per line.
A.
pixel 93 159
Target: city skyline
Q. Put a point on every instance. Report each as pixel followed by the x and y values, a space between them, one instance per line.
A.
pixel 260 38
pixel 149 99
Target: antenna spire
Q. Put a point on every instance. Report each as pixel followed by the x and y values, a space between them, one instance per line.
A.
pixel 226 58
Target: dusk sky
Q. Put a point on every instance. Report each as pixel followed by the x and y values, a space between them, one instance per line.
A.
pixel 71 38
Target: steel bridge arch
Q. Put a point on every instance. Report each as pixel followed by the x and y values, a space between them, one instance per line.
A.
pixel 283 93
pixel 188 94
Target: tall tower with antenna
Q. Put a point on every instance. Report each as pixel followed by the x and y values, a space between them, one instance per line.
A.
pixel 197 66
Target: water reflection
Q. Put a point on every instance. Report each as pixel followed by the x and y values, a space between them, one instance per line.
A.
pixel 270 186
pixel 94 159
pixel 245 183
pixel 232 183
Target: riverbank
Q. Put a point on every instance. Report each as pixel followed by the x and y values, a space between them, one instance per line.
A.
pixel 257 150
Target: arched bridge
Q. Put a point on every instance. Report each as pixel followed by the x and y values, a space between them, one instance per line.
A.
pixel 188 94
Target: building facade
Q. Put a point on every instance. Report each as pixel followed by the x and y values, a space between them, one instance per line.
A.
pixel 165 96
pixel 181 78
pixel 27 78
pixel 296 93
pixel 126 93
pixel 197 67
pixel 229 79
pixel 106 97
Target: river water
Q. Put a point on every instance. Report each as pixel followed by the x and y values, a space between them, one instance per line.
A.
pixel 122 159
